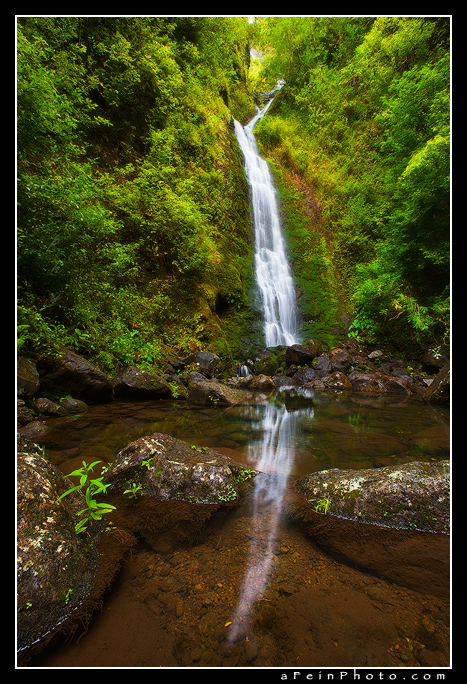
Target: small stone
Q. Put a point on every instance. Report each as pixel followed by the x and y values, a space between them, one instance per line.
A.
pixel 179 608
pixel 196 654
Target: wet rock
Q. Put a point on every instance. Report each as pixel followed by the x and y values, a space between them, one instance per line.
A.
pixel 24 414
pixel 304 375
pixel 35 431
pixel 262 383
pixel 379 383
pixel 73 406
pixel 55 566
pixel 389 521
pixel 213 393
pixel 47 407
pixel 173 364
pixel 59 580
pixel 134 383
pixel 411 496
pixel 71 374
pixel 322 365
pixel 437 357
pixel 439 390
pixel 180 488
pixel 284 382
pixel 270 362
pixel 340 360
pixel 336 380
pixel 206 361
pixel 240 382
pixel 27 377
pixel 303 354
pixel 174 470
pixel 66 407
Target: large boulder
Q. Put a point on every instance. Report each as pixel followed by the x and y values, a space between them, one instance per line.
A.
pixel 178 487
pixel 392 521
pixel 71 374
pixel 322 365
pixel 304 375
pixel 134 383
pixel 61 575
pixel 410 496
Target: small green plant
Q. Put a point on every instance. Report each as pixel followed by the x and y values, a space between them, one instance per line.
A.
pixel 175 389
pixel 94 510
pixel 244 474
pixel 321 505
pixel 201 450
pixel 230 494
pixel 148 462
pixel 134 489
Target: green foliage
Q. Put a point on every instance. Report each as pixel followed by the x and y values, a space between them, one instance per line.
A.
pixel 321 505
pixel 133 219
pixel 363 122
pixel 94 510
pixel 133 490
pixel 131 206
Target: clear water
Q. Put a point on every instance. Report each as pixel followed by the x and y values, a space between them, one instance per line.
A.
pixel 316 432
pixel 286 436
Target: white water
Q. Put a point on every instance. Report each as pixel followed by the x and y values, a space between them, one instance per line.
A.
pixel 273 274
pixel 274 456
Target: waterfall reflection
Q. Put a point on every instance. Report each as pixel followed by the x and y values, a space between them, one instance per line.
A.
pixel 274 458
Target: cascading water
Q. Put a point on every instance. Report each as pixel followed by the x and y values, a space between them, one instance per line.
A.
pixel 273 274
pixel 276 286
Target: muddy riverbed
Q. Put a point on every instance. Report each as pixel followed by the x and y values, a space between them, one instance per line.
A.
pixel 175 606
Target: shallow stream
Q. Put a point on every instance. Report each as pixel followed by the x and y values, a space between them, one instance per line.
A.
pixel 179 606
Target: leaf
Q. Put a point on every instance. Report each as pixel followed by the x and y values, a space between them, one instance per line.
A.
pixel 68 492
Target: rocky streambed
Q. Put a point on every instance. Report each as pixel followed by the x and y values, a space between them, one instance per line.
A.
pixel 355 552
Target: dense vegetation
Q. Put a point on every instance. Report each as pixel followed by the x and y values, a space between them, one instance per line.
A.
pixel 133 221
pixel 361 134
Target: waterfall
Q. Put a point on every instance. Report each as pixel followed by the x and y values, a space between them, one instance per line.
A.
pixel 272 270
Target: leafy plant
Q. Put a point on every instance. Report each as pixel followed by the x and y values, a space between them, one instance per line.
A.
pixel 134 489
pixel 94 510
pixel 244 474
pixel 321 505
